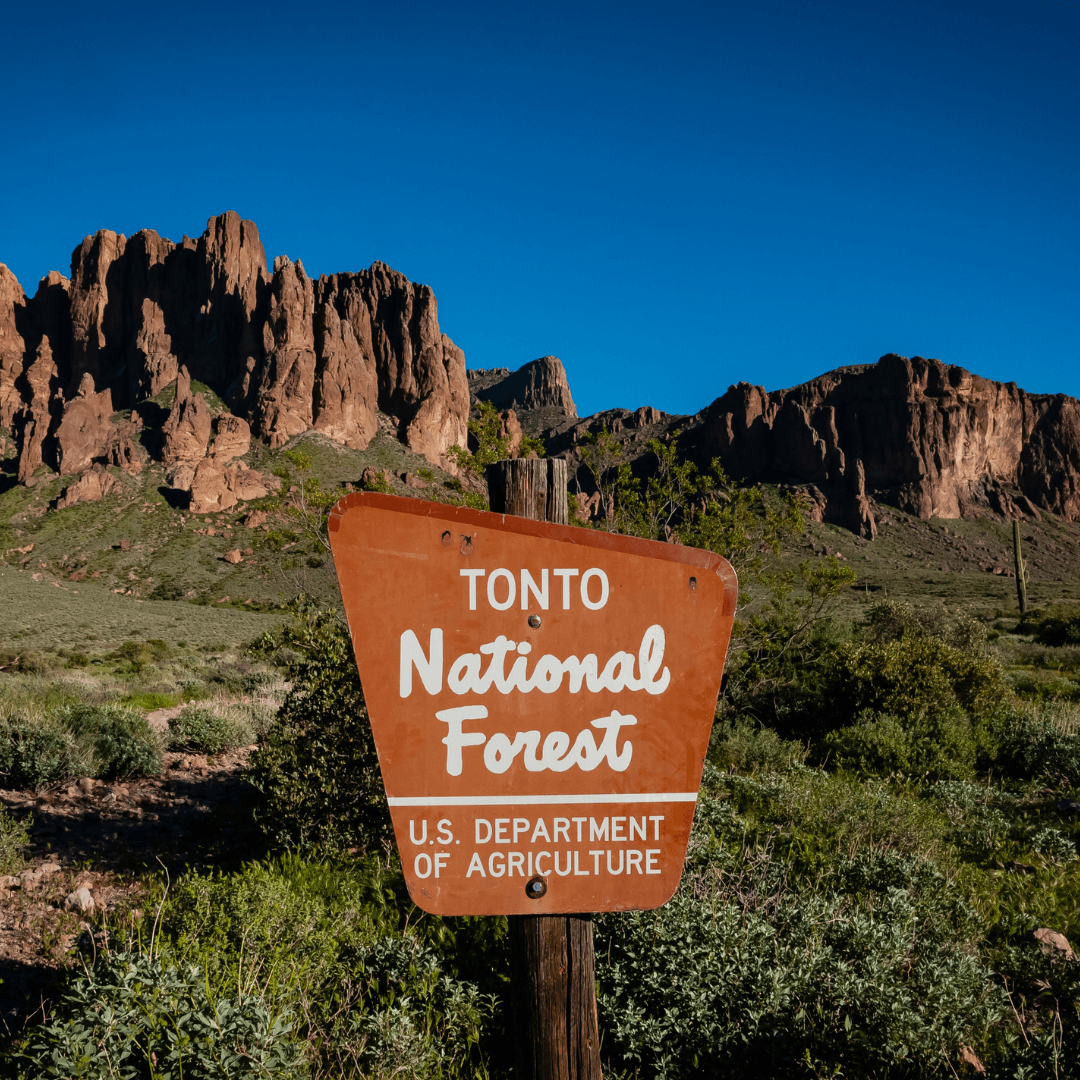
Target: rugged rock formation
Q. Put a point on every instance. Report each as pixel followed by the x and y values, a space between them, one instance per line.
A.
pixel 219 485
pixel 92 486
pixel 187 430
pixel 927 437
pixel 12 344
pixel 350 354
pixel 540 384
pixel 86 430
pixel 286 353
pixel 232 440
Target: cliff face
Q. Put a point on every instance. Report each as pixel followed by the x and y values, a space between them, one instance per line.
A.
pixel 929 438
pixel 284 352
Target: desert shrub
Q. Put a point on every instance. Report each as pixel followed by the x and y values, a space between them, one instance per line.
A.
pixel 796 983
pixel 892 620
pixel 167 589
pixel 131 1016
pixel 207 730
pixel 746 746
pixel 1053 628
pixel 14 836
pixel 1044 686
pixel 913 676
pixel 1045 994
pixel 120 740
pixel 326 941
pixel 1054 845
pixel 77 740
pixel 1038 749
pixel 148 701
pixel 317 770
pixel 23 662
pixel 35 753
pixel 939 745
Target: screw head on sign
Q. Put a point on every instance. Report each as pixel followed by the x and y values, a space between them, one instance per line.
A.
pixel 534 621
pixel 535 888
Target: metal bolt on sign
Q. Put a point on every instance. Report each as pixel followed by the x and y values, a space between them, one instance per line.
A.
pixel 541 699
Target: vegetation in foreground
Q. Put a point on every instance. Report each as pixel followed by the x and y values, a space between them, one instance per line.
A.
pixel 890 812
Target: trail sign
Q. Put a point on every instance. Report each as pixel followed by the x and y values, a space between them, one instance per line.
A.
pixel 541 699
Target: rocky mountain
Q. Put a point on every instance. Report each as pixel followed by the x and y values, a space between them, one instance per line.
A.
pixel 238 352
pixel 926 437
pixel 285 354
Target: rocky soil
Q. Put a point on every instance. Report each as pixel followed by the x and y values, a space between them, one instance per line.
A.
pixel 91 844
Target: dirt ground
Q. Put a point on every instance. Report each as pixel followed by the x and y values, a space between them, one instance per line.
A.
pixel 107 838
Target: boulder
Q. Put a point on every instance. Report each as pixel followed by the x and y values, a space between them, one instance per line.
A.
pixel 187 429
pixel 234 556
pixel 81 900
pixel 92 486
pixel 1054 943
pixel 232 438
pixel 217 485
pixel 127 455
pixel 371 477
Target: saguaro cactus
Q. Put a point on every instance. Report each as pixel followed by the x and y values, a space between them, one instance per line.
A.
pixel 1021 571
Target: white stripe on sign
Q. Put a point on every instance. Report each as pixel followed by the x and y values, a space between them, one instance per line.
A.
pixel 542 800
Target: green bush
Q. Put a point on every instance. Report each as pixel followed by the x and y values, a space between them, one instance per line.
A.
pixel 36 753
pixel 745 746
pixel 121 740
pixel 914 676
pixel 1039 749
pixel 1053 628
pixel 205 730
pixel 133 1017
pixel 936 746
pixel 317 769
pixel 77 740
pixel 326 941
pixel 742 974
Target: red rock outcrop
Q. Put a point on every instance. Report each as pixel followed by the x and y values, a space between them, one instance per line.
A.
pixel 219 485
pixel 540 384
pixel 285 390
pixel 187 429
pixel 232 438
pixel 85 430
pixel 41 395
pixel 927 437
pixel 286 354
pixel 12 344
pixel 346 395
pixel 92 486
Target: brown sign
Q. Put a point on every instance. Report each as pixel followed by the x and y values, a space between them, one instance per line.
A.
pixel 541 699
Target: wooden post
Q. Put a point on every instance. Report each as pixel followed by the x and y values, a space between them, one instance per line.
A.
pixel 552 969
pixel 1021 570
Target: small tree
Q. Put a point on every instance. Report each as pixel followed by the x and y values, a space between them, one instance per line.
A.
pixel 601 453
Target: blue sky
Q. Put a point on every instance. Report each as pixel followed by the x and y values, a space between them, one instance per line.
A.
pixel 671 198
